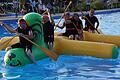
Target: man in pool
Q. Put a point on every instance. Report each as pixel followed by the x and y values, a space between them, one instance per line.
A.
pixel 22 30
pixel 69 32
pixel 48 28
pixel 90 21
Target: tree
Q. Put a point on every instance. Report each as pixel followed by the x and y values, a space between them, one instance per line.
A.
pixel 5 0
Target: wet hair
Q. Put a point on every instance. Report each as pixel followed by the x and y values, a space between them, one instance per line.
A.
pixel 76 14
pixel 22 20
pixel 45 16
pixel 92 9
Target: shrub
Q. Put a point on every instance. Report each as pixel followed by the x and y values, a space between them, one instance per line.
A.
pixel 97 5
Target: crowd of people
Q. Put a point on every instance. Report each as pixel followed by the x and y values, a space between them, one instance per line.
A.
pixel 74 25
pixel 35 6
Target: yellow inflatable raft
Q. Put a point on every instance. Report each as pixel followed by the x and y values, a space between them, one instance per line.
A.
pixel 97 45
pixel 112 39
pixel 86 48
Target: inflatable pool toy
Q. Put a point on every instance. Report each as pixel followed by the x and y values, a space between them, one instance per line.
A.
pixel 71 47
pixel 63 46
pixel 4 75
pixel 17 56
pixel 112 39
pixel 97 45
pixel 85 48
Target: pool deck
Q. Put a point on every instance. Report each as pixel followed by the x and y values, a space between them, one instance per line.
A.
pixel 58 15
pixel 9 17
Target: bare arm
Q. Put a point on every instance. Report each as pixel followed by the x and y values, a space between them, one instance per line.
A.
pixel 97 24
pixel 82 14
pixel 61 27
pixel 11 30
pixel 83 17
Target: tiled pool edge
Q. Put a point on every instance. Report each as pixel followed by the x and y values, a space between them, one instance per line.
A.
pixel 107 11
pixel 58 15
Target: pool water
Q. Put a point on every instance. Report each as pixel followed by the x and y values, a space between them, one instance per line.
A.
pixel 3 32
pixel 68 67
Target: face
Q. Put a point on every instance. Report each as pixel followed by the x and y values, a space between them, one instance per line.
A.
pixel 66 17
pixel 91 13
pixel 13 60
pixel 22 25
pixel 76 17
pixel 44 20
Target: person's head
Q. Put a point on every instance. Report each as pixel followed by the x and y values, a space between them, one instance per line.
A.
pixel 76 16
pixel 45 18
pixel 67 15
pixel 91 12
pixel 22 23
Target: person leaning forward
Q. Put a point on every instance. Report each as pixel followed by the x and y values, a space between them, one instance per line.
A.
pixel 22 30
pixel 69 32
pixel 78 32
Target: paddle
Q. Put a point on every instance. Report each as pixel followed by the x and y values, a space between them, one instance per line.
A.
pixel 44 12
pixel 46 51
pixel 97 31
pixel 89 21
pixel 50 17
pixel 77 30
pixel 5 43
pixel 92 25
pixel 63 14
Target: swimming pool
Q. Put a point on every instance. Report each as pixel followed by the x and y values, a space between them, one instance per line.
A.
pixel 68 67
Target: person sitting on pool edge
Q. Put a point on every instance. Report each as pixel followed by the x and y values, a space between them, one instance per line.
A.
pixel 22 30
pixel 90 21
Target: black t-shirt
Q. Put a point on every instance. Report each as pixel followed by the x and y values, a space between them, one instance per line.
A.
pixel 78 24
pixel 69 27
pixel 89 20
pixel 48 32
pixel 25 32
pixel 48 29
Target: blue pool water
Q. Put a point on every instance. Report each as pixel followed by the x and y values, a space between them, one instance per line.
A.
pixel 68 67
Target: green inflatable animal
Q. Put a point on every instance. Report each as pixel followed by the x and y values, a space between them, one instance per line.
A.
pixel 17 56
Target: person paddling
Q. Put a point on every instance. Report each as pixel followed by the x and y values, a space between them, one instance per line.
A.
pixel 22 30
pixel 78 32
pixel 90 21
pixel 69 27
pixel 48 27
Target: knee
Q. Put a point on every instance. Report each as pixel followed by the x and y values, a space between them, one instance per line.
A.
pixel 71 37
pixel 77 37
pixel 8 48
pixel 28 52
